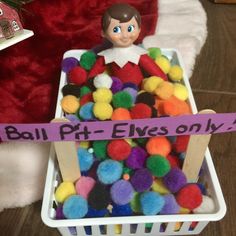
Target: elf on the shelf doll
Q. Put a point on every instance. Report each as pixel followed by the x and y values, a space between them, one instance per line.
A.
pixel 121 26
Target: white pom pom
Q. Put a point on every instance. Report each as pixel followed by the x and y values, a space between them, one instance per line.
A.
pixel 207 206
pixel 102 81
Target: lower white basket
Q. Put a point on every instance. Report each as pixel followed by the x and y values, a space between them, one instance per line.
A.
pixel 133 225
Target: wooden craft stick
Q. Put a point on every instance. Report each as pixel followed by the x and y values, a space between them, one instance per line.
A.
pixel 67 157
pixel 195 153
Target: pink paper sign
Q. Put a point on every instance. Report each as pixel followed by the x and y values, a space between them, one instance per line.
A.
pixel 105 130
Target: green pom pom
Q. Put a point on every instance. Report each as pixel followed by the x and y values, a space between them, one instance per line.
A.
pixel 154 53
pixel 100 149
pixel 158 165
pixel 141 141
pixel 135 203
pixel 87 60
pixel 127 170
pixel 122 99
pixel 84 90
pixel 148 225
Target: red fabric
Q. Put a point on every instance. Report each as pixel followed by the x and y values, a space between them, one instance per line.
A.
pixel 30 70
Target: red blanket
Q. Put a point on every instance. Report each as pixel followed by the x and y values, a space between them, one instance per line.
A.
pixel 30 70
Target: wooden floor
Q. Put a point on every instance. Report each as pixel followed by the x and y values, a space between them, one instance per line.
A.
pixel 214 86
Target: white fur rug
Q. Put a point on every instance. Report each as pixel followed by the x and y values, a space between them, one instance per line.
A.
pixel 181 25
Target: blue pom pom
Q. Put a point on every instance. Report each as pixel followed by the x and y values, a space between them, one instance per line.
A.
pixel 85 159
pixel 121 210
pixel 75 207
pixel 109 171
pixel 86 111
pixel 96 213
pixel 151 203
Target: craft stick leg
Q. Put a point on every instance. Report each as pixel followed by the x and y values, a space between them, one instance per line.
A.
pixel 195 153
pixel 67 157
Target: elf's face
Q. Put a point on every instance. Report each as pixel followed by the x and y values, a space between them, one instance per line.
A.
pixel 122 34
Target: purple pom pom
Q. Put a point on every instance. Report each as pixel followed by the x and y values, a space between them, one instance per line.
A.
pixel 132 92
pixel 141 180
pixel 69 63
pixel 130 85
pixel 116 84
pixel 136 158
pixel 59 213
pixel 171 206
pixel 175 180
pixel 122 192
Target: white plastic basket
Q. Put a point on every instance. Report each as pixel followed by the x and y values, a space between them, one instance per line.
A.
pixel 132 225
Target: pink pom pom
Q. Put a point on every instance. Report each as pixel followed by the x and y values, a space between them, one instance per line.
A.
pixel 84 185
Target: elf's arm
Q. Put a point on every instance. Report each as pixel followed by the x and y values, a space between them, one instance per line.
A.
pixel 149 66
pixel 98 68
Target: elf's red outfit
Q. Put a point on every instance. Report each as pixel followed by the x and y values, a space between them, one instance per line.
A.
pixel 128 64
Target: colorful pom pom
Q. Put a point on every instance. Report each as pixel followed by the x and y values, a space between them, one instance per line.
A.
pixel 180 91
pixel 69 63
pixel 151 203
pixel 85 159
pixel 121 114
pixel 102 95
pixel 102 81
pixel 135 203
pixel 87 60
pixel 189 196
pixel 118 149
pixel 146 98
pixel 207 206
pixel 86 111
pixel 141 180
pixel 64 190
pixel 171 206
pixel 71 89
pixel 140 111
pixel 122 192
pixel 164 90
pixel 77 75
pixel 100 149
pixel 102 110
pixel 75 207
pixel 175 180
pixel 151 83
pixel 109 171
pixel 175 73
pixel 158 165
pixel 84 185
pixel 158 186
pixel 122 99
pixel 132 92
pixel 70 104
pixel 158 146
pixel 116 84
pixel 121 210
pixel 137 158
pixel 99 197
pixel 84 90
pixel 154 53
pixel 164 63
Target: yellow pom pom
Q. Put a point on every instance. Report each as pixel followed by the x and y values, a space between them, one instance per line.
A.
pixel 64 190
pixel 184 210
pixel 163 63
pixel 84 144
pixel 176 73
pixel 118 229
pixel 180 91
pixel 164 90
pixel 102 110
pixel 151 83
pixel 70 104
pixel 102 95
pixel 178 226
pixel 159 187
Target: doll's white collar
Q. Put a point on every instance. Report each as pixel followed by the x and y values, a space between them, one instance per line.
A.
pixel 123 55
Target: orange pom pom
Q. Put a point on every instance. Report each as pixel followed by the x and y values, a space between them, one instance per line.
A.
pixel 121 114
pixel 158 145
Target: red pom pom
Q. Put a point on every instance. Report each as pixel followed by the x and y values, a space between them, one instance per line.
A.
pixel 141 111
pixel 77 75
pixel 86 98
pixel 189 196
pixel 174 161
pixel 118 150
pixel 181 143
